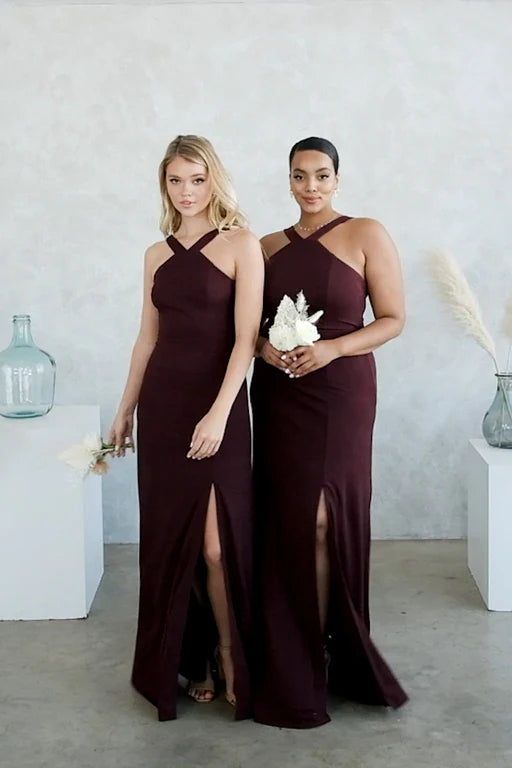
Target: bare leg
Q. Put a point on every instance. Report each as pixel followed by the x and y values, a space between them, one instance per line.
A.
pixel 217 593
pixel 322 561
pixel 203 691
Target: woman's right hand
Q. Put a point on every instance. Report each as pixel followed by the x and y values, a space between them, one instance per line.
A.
pixel 121 433
pixel 272 356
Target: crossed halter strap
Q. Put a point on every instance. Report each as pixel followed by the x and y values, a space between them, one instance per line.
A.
pixel 176 246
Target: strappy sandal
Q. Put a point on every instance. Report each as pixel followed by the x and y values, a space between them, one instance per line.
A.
pixel 203 693
pixel 230 697
pixel 200 693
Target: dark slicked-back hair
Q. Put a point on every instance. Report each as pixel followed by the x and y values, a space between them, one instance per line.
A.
pixel 320 145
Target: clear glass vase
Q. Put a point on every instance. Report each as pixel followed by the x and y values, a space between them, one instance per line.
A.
pixel 27 375
pixel 497 423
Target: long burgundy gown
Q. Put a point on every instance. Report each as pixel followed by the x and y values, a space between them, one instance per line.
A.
pixel 314 433
pixel 176 632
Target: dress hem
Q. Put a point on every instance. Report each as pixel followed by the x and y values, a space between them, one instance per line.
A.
pixel 292 724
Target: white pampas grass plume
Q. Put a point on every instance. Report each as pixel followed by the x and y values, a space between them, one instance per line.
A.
pixel 507 328
pixel 507 319
pixel 462 301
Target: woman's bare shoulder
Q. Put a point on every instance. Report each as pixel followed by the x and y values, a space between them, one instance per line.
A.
pixel 156 254
pixel 372 238
pixel 240 236
pixel 156 249
pixel 367 225
pixel 273 242
pixel 361 230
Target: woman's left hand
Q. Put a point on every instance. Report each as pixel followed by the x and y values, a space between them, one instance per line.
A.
pixel 303 360
pixel 207 436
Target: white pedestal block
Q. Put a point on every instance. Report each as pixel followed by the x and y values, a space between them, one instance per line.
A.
pixel 51 521
pixel 489 478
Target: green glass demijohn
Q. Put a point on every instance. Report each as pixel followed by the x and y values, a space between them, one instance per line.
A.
pixel 27 375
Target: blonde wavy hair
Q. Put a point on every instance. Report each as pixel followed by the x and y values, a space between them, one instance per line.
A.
pixel 223 210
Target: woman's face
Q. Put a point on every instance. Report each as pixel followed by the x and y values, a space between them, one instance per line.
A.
pixel 312 180
pixel 188 186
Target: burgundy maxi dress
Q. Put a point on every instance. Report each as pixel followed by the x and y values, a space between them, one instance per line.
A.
pixel 314 434
pixel 176 632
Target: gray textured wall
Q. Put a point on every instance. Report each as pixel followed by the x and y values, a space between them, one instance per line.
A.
pixel 416 95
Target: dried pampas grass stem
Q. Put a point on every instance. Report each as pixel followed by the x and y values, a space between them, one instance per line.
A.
pixel 465 308
pixel 507 330
pixel 462 301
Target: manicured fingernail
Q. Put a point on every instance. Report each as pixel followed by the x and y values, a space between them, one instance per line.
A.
pixel 294 359
pixel 283 357
pixel 287 370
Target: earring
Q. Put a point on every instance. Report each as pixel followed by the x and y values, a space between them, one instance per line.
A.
pixel 291 193
pixel 336 192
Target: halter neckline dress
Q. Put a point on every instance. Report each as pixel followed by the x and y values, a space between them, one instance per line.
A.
pixel 176 631
pixel 313 434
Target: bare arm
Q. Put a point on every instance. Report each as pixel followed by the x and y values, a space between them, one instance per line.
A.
pixel 248 306
pixel 249 277
pixel 122 427
pixel 266 248
pixel 385 288
pixel 269 245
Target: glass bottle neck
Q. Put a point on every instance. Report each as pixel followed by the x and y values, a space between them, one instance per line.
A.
pixel 21 335
pixel 504 381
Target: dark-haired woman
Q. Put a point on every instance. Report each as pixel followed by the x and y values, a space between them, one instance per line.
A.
pixel 314 409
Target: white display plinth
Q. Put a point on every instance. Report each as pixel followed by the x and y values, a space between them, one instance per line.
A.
pixel 51 521
pixel 489 474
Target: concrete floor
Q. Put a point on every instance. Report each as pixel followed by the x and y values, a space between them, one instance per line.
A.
pixel 65 699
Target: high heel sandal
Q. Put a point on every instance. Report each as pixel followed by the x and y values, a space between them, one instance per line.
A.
pixel 230 697
pixel 197 691
pixel 200 693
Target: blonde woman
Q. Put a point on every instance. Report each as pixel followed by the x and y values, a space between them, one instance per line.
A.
pixel 203 290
